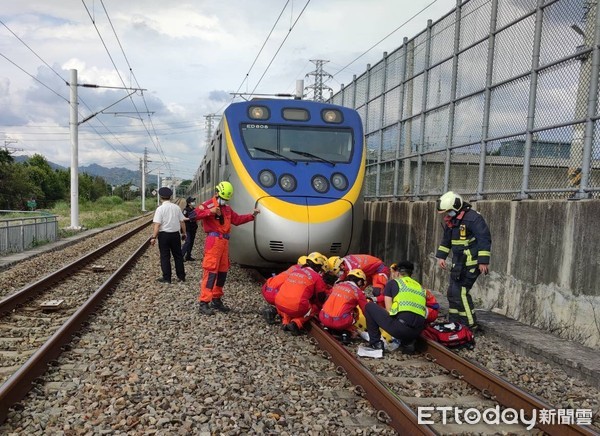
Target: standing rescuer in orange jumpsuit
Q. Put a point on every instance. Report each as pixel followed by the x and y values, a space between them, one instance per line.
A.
pixel 217 217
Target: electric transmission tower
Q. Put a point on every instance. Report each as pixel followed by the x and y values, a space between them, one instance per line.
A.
pixel 208 125
pixel 318 87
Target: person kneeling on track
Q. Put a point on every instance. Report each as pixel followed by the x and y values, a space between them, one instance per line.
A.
pixel 298 298
pixel 338 312
pixel 404 313
pixel 376 271
pixel 271 288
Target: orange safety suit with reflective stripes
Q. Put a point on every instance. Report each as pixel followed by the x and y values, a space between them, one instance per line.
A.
pixel 297 299
pixel 216 246
pixel 376 271
pixel 339 309
pixel 272 285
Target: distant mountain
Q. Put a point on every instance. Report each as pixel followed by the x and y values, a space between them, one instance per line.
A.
pixel 113 176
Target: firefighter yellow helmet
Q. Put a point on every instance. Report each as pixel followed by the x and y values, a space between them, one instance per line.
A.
pixel 302 260
pixel 449 201
pixel 317 258
pixel 224 190
pixel 358 273
pixel 334 264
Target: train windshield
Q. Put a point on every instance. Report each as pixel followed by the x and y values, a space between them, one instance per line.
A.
pixel 315 144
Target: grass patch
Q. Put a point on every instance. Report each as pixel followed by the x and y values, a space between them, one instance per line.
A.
pixel 92 215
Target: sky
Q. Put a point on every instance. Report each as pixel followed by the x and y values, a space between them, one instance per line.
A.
pixel 185 59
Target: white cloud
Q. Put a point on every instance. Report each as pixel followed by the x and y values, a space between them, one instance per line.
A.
pixel 189 56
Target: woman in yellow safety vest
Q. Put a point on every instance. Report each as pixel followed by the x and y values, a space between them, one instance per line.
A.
pixel 404 313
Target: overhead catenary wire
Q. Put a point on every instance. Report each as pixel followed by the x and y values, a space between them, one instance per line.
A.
pixel 281 45
pixel 386 37
pixel 52 90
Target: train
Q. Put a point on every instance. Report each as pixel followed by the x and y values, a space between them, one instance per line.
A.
pixel 302 163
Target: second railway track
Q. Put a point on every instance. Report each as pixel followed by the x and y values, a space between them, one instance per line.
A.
pixel 148 362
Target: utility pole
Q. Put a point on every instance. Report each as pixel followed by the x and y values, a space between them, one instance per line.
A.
pixel 157 189
pixel 318 87
pixel 74 128
pixel 143 187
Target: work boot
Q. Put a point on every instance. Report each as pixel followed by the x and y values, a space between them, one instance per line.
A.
pixel 293 329
pixel 408 347
pixel 269 313
pixel 217 304
pixel 345 338
pixel 205 309
pixel 163 280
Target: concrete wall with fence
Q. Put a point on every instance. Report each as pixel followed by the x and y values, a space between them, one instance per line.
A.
pixel 497 100
pixel 494 87
pixel 544 264
pixel 26 231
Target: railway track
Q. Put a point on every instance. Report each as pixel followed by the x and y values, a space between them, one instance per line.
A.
pixel 37 321
pixel 397 386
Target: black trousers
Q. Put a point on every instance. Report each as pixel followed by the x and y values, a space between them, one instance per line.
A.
pixel 169 243
pixel 405 326
pixel 190 236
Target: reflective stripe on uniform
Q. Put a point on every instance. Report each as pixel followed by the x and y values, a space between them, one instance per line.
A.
pixel 468 313
pixel 410 297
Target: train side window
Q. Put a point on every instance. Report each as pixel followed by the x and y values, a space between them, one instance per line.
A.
pixel 208 173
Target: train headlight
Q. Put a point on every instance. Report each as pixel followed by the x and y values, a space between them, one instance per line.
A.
pixel 258 113
pixel 287 182
pixel 320 184
pixel 339 181
pixel 332 116
pixel 267 178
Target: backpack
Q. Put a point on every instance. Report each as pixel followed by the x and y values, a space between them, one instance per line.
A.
pixel 451 335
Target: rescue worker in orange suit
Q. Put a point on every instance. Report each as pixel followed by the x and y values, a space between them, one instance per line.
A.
pixel 301 295
pixel 271 287
pixel 432 307
pixel 376 271
pixel 405 310
pixel 217 217
pixel 467 236
pixel 339 311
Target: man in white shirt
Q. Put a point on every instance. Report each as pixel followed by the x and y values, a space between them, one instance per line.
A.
pixel 169 229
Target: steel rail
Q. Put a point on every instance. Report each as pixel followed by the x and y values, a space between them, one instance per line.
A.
pixel 20 383
pixel 390 408
pixel 496 388
pixel 30 291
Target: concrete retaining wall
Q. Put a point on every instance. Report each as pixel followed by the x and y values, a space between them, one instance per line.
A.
pixel 545 267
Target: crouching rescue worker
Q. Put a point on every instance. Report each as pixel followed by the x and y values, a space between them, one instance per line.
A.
pixel 467 236
pixel 271 287
pixel 404 313
pixel 217 217
pixel 376 271
pixel 339 311
pixel 301 295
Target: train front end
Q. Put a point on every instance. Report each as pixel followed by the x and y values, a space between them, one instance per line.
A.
pixel 302 164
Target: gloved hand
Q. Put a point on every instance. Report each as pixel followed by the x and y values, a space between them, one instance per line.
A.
pixel 376 292
pixel 183 236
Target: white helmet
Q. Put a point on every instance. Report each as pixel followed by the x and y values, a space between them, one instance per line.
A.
pixel 449 201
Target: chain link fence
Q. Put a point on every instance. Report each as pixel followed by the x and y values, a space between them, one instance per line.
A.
pixel 497 99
